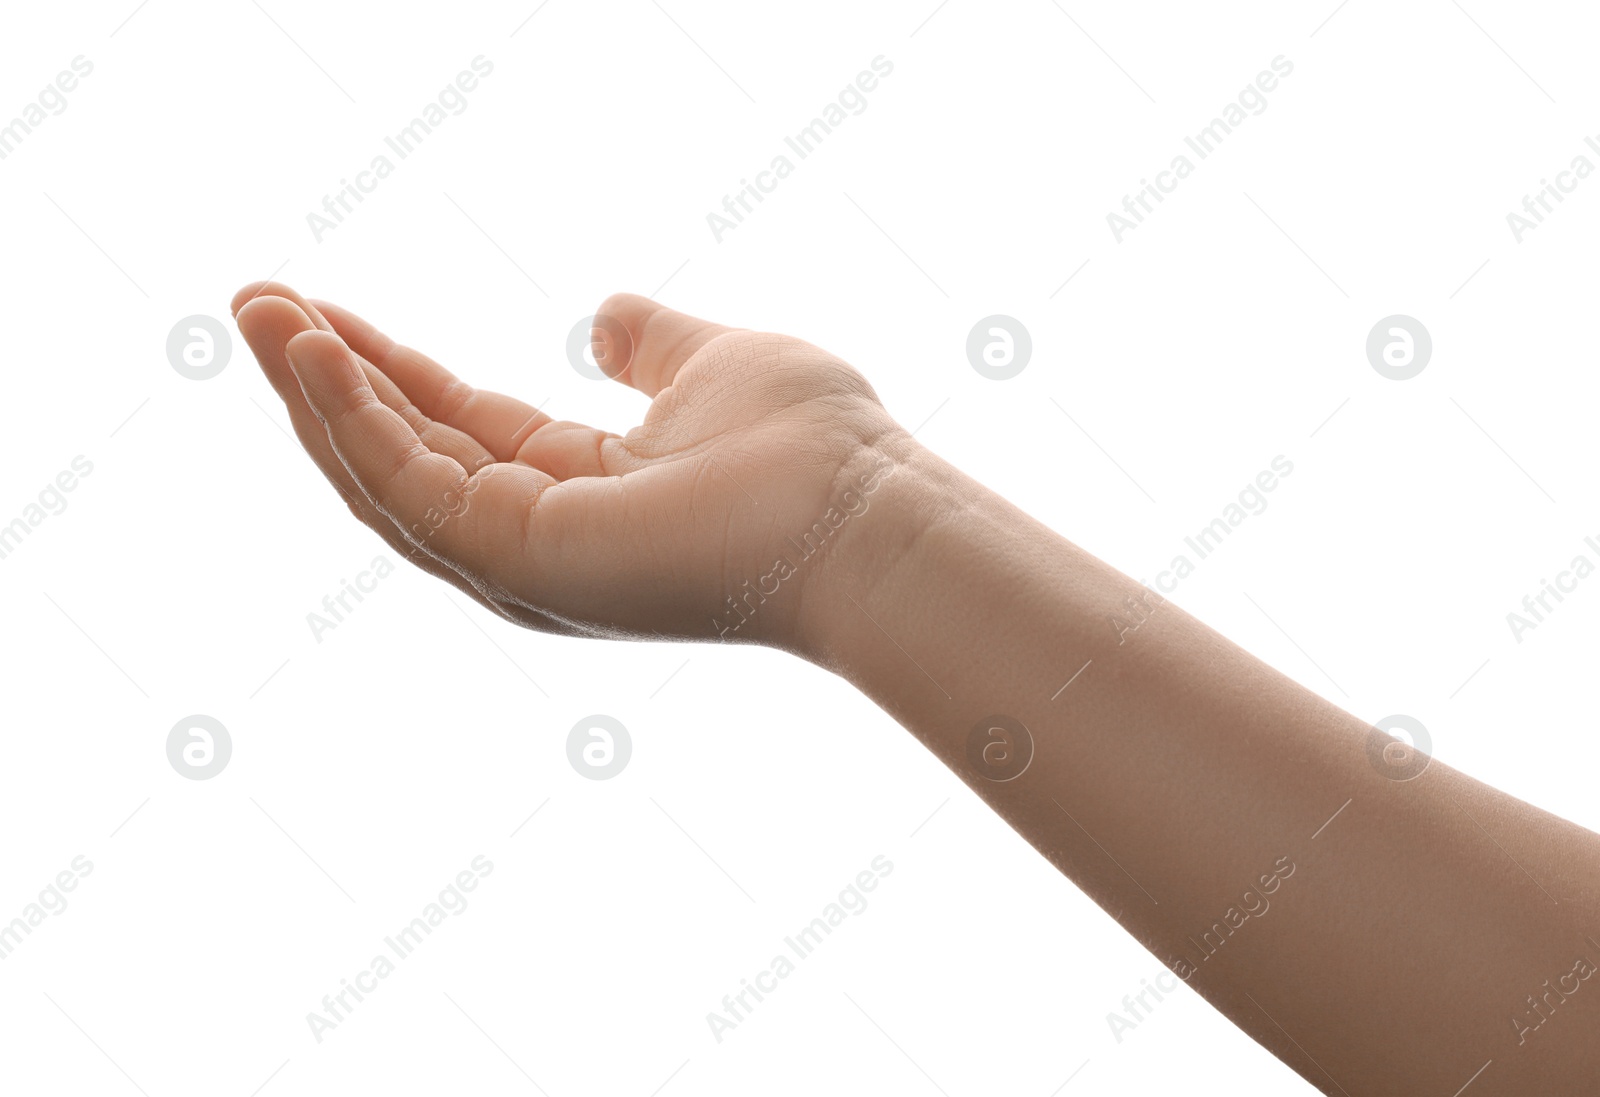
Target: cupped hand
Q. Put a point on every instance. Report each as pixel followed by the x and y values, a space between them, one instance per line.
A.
pixel 751 446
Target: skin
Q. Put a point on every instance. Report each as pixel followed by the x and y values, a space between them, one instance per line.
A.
pixel 1380 935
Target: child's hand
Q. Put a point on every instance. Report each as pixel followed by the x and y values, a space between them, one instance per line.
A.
pixel 749 439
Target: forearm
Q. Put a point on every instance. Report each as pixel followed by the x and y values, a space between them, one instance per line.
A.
pixel 1379 935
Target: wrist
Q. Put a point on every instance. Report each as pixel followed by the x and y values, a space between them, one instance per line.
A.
pixel 896 493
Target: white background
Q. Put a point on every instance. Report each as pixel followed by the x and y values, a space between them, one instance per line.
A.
pixel 369 768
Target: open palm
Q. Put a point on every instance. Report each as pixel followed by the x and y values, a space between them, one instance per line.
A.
pixel 754 450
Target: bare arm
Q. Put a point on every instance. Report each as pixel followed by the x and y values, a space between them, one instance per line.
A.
pixel 1381 923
